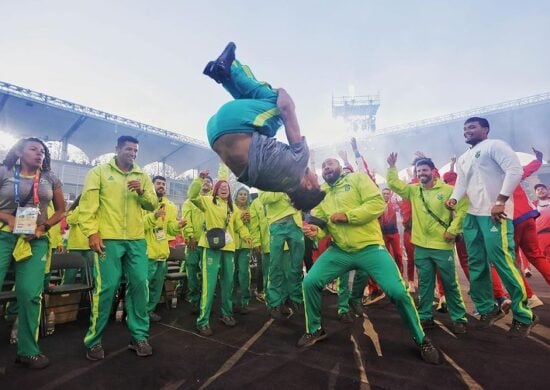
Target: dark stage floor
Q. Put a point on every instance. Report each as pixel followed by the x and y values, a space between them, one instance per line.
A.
pixel 261 354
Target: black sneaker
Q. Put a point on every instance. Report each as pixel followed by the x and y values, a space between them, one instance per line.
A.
pixel 35 362
pixel 428 323
pixel 519 329
pixel 205 331
pixel 459 328
pixel 141 348
pixel 220 70
pixel 228 320
pixel 429 353
pixel 154 317
pixel 308 339
pixel 346 318
pixel 285 310
pixel 358 310
pixel 297 308
pixel 95 353
pixel 488 319
pixel 275 313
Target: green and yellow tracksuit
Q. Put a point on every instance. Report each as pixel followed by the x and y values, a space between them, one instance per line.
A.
pixel 358 244
pixel 242 261
pixel 285 227
pixel 158 233
pixel 77 242
pixel 193 230
pixel 216 261
pixel 432 252
pixel 109 208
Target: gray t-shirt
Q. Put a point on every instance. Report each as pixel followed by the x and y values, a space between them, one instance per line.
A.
pixel 48 183
pixel 275 166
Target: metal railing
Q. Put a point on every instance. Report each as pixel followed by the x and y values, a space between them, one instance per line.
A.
pixel 15 90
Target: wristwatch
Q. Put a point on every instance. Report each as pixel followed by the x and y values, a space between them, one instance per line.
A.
pixel 46 227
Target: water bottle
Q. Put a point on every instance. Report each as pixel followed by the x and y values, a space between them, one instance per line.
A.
pixel 119 311
pixel 174 301
pixel 13 334
pixel 50 323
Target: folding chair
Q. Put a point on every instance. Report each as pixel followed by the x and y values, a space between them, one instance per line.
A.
pixel 65 261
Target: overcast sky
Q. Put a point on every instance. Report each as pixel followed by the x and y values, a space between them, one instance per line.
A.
pixel 144 59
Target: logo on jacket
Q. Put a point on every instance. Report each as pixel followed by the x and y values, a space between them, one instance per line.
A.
pixel 478 153
pixel 440 196
pixel 110 178
pixel 347 187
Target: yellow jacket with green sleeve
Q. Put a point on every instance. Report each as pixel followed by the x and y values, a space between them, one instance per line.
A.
pixel 54 234
pixel 278 206
pixel 216 216
pixel 426 231
pixel 357 196
pixel 77 240
pixel 159 230
pixel 195 221
pixel 107 205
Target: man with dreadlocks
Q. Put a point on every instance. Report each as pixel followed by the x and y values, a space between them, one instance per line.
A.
pixel 27 188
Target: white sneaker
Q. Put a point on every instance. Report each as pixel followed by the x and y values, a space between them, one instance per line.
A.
pixel 534 301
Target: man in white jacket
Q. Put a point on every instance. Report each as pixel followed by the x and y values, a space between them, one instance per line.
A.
pixel 488 174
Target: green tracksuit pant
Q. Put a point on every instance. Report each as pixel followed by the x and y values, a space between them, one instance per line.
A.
pixel 193 270
pixel 29 281
pixel 373 260
pixel 242 276
pixel 427 261
pixel 69 275
pixel 487 243
pixel 155 278
pixel 254 107
pixel 128 257
pixel 280 233
pixel 216 262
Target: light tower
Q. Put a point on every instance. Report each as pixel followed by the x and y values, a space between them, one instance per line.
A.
pixel 358 111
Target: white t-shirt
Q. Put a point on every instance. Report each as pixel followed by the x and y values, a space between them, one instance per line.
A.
pixel 486 170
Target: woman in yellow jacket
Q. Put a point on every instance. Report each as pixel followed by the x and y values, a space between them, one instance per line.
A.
pixel 219 213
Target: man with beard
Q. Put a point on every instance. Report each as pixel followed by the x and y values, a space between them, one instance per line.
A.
pixel 113 197
pixel 161 227
pixel 433 234
pixel 350 211
pixel 488 173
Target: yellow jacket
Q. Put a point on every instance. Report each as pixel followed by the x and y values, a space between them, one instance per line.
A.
pixel 278 206
pixel 195 221
pixel 357 196
pixel 107 205
pixel 159 230
pixel 77 240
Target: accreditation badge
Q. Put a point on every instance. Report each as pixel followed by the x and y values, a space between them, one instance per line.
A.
pixel 160 234
pixel 25 220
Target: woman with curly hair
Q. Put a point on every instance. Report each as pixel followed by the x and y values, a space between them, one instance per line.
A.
pixel 27 185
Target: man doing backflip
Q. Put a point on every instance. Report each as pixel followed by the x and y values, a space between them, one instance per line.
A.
pixel 242 132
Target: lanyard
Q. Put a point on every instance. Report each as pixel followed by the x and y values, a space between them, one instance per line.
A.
pixel 35 184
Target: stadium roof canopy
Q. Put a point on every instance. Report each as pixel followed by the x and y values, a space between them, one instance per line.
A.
pixel 522 123
pixel 25 113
